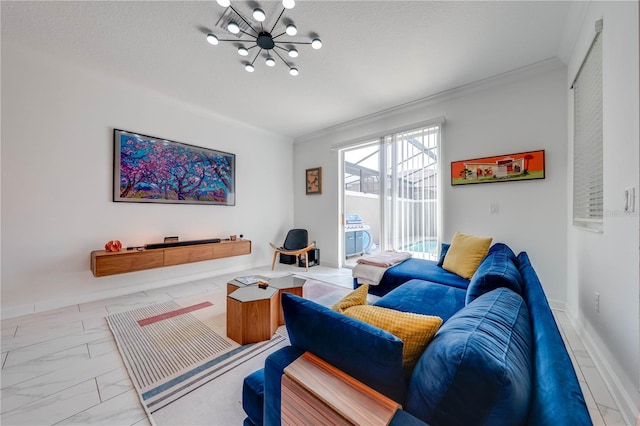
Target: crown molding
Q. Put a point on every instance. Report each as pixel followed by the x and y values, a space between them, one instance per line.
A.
pixel 499 79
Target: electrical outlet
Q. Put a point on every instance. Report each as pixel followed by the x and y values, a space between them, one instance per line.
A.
pixel 597 301
pixel 494 208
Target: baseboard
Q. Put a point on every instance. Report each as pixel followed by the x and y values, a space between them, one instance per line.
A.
pixel 628 404
pixel 16 311
pixel 557 304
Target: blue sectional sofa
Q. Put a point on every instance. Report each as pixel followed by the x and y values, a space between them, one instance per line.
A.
pixel 498 357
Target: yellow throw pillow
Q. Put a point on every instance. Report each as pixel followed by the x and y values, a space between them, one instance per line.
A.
pixel 415 330
pixel 465 254
pixel 356 297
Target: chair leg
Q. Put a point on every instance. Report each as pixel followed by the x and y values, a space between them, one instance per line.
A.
pixel 306 261
pixel 273 264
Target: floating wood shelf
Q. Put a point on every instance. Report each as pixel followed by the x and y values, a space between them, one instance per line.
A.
pixel 105 263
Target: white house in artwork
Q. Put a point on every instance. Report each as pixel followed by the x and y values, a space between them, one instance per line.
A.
pixel 507 167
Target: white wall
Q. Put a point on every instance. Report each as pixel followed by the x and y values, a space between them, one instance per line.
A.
pixel 521 111
pixel 57 151
pixel 608 262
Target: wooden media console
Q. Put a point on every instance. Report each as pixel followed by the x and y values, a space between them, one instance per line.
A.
pixel 104 263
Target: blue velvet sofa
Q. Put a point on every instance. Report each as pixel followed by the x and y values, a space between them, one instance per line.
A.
pixel 498 357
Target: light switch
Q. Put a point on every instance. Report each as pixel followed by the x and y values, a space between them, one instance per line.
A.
pixel 630 200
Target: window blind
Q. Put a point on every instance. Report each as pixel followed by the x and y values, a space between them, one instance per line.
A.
pixel 587 144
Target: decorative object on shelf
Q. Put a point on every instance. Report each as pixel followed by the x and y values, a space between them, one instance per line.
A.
pixel 265 39
pixel 501 168
pixel 314 181
pixel 113 245
pixel 154 170
pixel 232 237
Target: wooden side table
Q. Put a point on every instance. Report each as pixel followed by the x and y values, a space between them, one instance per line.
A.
pixel 315 392
pixel 252 314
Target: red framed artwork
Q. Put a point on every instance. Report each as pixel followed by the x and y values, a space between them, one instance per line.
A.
pixel 500 168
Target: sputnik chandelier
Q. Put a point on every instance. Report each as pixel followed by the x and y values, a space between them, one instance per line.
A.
pixel 262 38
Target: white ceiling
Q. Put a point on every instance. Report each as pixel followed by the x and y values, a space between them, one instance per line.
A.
pixel 376 54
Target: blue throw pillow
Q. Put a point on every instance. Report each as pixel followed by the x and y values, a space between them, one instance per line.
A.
pixel 368 353
pixel 444 248
pixel 496 270
pixel 478 368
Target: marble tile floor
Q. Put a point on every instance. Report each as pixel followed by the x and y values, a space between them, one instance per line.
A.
pixel 62 367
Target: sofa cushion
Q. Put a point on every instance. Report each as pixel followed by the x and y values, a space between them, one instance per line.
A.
pixel 415 330
pixel 424 297
pixel 477 369
pixel 355 298
pixel 465 254
pixel 339 339
pixel 496 270
pixel 420 269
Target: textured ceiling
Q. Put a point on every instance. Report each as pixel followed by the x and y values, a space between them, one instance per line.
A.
pixel 376 54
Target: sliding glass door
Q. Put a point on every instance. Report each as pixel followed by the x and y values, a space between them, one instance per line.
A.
pixel 391 194
pixel 411 202
pixel 361 205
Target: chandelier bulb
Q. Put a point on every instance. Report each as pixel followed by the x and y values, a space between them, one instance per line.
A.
pixel 233 27
pixel 242 51
pixel 288 4
pixel 316 43
pixel 224 3
pixel 249 68
pixel 293 53
pixel 293 71
pixel 291 30
pixel 259 15
pixel 212 39
pixel 270 61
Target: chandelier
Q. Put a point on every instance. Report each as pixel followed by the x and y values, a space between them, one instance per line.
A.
pixel 257 36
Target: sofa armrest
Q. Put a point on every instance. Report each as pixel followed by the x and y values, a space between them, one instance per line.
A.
pixel 274 367
pixel 368 353
pixel 556 394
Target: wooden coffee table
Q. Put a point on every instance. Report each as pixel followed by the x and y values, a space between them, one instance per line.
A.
pixel 287 284
pixel 234 284
pixel 252 314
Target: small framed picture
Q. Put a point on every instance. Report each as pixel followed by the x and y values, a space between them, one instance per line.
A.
pixel 314 181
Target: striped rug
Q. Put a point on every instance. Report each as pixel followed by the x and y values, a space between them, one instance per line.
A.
pixel 170 350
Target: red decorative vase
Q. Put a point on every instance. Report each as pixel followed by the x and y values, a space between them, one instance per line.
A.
pixel 113 245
